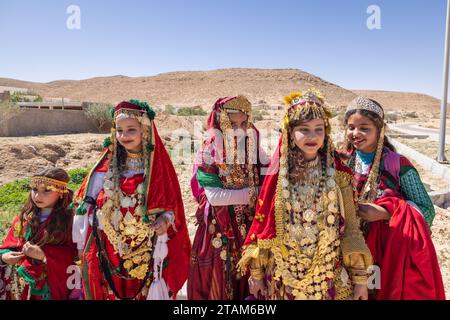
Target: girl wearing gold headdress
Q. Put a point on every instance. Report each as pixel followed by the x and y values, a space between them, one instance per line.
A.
pixel 305 241
pixel 38 250
pixel 227 177
pixel 129 220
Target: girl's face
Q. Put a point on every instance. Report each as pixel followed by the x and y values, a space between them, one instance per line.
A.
pixel 309 137
pixel 362 133
pixel 238 120
pixel 128 133
pixel 44 198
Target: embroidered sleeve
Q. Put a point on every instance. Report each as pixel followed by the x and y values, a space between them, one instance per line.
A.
pixel 356 254
pixel 414 190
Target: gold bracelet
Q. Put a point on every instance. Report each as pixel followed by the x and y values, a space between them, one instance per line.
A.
pixel 257 273
pixel 359 279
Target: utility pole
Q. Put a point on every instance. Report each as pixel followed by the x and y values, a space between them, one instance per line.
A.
pixel 441 152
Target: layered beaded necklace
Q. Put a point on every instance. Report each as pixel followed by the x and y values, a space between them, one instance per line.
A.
pixel 130 236
pixel 312 234
pixel 305 193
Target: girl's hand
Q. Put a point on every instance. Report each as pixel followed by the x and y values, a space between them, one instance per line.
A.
pixel 256 286
pixel 370 212
pixel 161 225
pixel 360 292
pixel 11 258
pixel 33 251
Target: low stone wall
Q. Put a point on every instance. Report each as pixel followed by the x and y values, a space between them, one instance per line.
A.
pixel 436 169
pixel 30 122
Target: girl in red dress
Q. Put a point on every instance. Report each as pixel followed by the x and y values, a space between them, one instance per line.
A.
pixel 38 250
pixel 129 225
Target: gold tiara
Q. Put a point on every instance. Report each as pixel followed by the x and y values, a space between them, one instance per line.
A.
pixel 240 103
pixel 363 103
pixel 52 184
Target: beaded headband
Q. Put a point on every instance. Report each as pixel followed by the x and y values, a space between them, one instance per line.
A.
pixel 51 184
pixel 363 103
pixel 134 109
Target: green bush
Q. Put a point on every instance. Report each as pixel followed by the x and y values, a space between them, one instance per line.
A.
pixel 169 109
pixel 194 111
pixel 76 177
pixel 25 96
pixel 13 195
pixel 100 113
pixel 257 115
pixel 8 108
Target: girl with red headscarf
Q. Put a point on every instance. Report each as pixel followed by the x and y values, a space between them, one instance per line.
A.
pixel 129 225
pixel 227 177
pixel 305 241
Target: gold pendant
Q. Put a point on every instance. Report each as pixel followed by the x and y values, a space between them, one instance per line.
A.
pixel 331 219
pixel 217 243
pixel 288 206
pixel 309 215
pixel 332 195
pixel 332 208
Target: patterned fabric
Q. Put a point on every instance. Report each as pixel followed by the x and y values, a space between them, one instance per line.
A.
pixel 31 279
pixel 405 184
pixel 414 190
pixel 222 229
pixel 269 257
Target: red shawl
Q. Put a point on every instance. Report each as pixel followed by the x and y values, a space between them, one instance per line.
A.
pixel 265 229
pixel 405 254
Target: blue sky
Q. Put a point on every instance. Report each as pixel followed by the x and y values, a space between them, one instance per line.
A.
pixel 327 38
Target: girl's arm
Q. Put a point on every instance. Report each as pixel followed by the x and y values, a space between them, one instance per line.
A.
pixel 226 197
pixel 81 221
pixel 356 255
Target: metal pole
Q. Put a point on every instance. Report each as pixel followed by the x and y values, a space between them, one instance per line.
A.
pixel 441 152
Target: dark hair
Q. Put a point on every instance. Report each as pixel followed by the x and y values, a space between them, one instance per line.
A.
pixel 59 228
pixel 121 157
pixel 376 120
